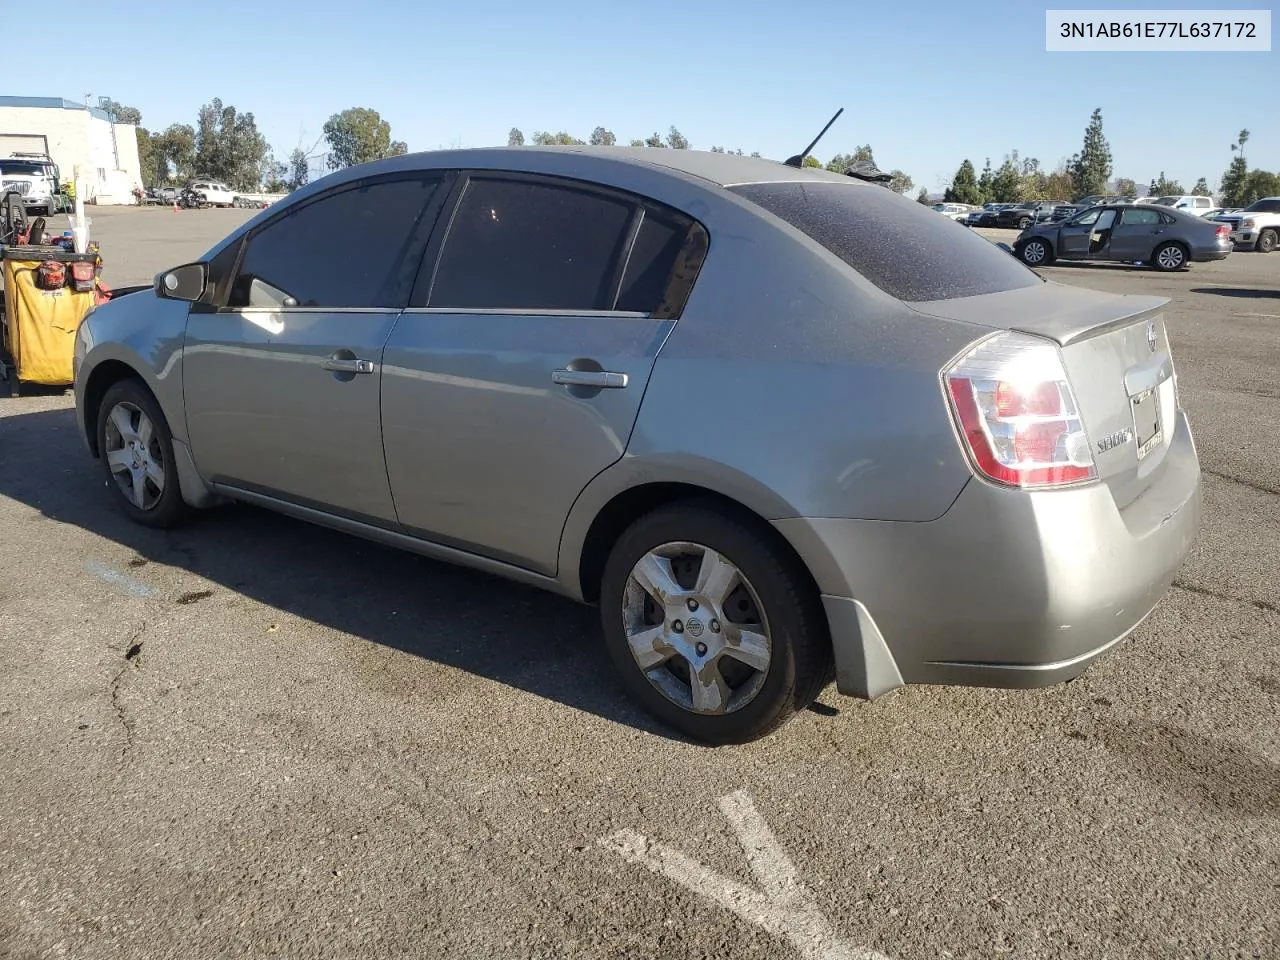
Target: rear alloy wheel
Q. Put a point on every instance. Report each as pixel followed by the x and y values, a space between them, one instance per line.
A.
pixel 712 629
pixel 136 449
pixel 1035 252
pixel 1266 241
pixel 1169 257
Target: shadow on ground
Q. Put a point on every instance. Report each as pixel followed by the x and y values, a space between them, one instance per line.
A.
pixel 516 635
pixel 1246 293
pixel 1219 775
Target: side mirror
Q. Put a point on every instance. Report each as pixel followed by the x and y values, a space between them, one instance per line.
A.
pixel 186 282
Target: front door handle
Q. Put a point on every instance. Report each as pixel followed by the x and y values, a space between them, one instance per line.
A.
pixel 353 365
pixel 600 379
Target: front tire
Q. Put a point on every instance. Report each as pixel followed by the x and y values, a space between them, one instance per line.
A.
pixel 712 628
pixel 1266 241
pixel 1035 252
pixel 1169 257
pixel 136 451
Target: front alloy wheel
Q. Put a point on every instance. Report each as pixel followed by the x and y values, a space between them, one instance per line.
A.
pixel 136 450
pixel 1035 253
pixel 133 454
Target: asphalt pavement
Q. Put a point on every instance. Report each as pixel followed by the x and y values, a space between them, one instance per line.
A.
pixel 255 737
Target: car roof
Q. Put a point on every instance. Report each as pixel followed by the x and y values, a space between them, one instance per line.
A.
pixel 721 169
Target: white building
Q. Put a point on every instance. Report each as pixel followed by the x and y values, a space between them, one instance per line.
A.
pixel 78 136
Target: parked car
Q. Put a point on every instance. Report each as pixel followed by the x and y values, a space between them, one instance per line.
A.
pixel 1192 204
pixel 1023 215
pixel 697 390
pixel 1166 238
pixel 1255 227
pixel 953 211
pixel 213 193
pixel 986 215
pixel 1064 211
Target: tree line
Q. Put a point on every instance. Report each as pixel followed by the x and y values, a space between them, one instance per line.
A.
pixel 225 144
pixel 1088 173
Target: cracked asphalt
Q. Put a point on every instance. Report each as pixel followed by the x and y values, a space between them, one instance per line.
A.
pixel 253 737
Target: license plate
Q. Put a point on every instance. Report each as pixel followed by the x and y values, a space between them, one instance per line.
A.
pixel 1146 421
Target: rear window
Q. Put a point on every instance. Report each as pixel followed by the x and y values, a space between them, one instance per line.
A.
pixel 901 246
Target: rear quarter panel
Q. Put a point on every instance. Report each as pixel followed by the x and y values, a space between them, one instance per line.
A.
pixel 795 387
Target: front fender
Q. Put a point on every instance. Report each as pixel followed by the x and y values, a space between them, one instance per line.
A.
pixel 142 333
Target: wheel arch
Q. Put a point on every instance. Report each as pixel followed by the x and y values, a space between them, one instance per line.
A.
pixel 625 506
pixel 113 369
pixel 102 378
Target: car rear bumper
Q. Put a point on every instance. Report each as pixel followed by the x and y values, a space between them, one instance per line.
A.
pixel 1205 254
pixel 1008 588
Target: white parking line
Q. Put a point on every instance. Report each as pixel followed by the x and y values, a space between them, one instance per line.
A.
pixel 782 906
pixel 114 577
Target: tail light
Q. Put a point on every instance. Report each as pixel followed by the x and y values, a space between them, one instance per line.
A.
pixel 1223 231
pixel 1017 414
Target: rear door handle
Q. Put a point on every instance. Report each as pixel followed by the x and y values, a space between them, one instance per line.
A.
pixel 348 366
pixel 604 379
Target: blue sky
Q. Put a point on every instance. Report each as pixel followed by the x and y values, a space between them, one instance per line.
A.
pixel 926 82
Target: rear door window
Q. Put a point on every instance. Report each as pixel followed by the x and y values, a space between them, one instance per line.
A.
pixel 519 244
pixel 1135 216
pixel 895 243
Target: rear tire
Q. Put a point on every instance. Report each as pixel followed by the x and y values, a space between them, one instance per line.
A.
pixel 756 630
pixel 1266 241
pixel 1169 257
pixel 135 448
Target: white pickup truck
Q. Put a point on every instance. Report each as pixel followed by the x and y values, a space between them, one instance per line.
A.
pixel 1257 226
pixel 34 176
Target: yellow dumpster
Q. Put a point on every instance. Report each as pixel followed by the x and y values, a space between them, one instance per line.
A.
pixel 47 293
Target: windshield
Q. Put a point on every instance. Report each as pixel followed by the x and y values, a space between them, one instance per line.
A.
pixel 1269 205
pixel 892 241
pixel 26 168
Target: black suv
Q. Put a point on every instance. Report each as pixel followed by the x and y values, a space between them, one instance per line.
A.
pixel 1024 214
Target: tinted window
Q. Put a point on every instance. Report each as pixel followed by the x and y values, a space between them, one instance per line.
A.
pixel 1132 216
pixel 526 245
pixel 1263 206
pixel 1089 216
pixel 653 256
pixel 357 248
pixel 897 244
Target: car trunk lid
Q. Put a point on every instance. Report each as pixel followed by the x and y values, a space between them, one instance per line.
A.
pixel 1117 357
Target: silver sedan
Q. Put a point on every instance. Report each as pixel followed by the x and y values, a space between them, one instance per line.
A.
pixel 782 426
